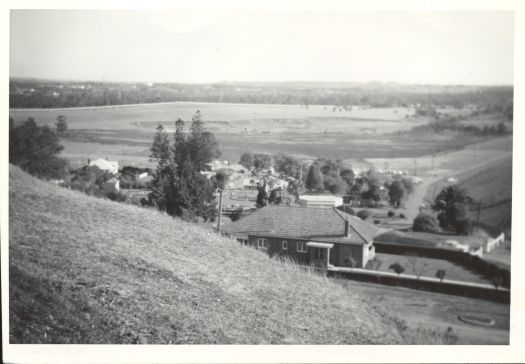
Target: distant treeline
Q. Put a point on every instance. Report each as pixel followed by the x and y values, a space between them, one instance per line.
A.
pixel 51 94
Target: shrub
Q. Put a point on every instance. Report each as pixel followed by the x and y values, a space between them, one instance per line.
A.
pixel 368 202
pixel 363 214
pixel 391 213
pixel 426 223
pixel 441 274
pixel 402 216
pixel 236 215
pixel 377 222
pixel 397 268
pixel 463 226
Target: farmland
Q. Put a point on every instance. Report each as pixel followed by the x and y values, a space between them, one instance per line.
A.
pixel 125 132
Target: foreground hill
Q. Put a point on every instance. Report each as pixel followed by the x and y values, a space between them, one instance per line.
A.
pixel 86 270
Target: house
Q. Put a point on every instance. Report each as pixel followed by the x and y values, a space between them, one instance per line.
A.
pixel 105 165
pixel 317 236
pixel 327 201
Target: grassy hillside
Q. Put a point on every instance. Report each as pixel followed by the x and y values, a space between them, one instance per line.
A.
pixel 492 183
pixel 86 270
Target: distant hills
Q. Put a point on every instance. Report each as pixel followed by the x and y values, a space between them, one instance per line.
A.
pixel 34 93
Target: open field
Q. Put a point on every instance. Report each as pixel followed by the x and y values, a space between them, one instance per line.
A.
pixel 305 132
pixel 439 311
pixel 87 270
pixel 236 116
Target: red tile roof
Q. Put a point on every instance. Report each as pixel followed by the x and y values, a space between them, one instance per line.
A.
pixel 319 224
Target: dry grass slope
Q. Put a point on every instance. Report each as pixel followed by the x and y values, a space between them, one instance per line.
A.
pixel 86 270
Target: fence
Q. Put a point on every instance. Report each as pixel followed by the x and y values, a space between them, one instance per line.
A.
pixel 494 243
pixel 468 260
pixel 467 289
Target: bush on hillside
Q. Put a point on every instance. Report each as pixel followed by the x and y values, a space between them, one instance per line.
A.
pixel 426 223
pixel 391 213
pixel 35 149
pixel 363 214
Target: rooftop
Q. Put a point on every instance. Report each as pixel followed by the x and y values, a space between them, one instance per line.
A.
pixel 319 224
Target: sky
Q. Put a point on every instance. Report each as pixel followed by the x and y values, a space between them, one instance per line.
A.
pixel 429 47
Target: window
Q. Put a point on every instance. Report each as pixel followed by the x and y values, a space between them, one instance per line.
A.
pixel 262 243
pixel 285 245
pixel 301 247
pixel 242 241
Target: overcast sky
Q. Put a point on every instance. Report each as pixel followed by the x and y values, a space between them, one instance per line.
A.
pixel 197 46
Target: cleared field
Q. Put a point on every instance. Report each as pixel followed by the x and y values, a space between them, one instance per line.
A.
pixel 252 116
pixel 305 132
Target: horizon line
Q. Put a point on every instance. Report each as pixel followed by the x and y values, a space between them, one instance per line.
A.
pixel 47 79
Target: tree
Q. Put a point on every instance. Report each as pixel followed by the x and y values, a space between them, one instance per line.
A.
pixel 179 187
pixel 202 146
pixel 246 160
pixel 237 214
pixel 397 268
pixel 363 214
pixel 61 125
pixel 314 181
pixel 396 193
pixel 417 265
pixel 262 161
pixel 161 183
pixel 373 193
pixel 220 180
pixel 35 149
pixel 440 273
pixel 348 176
pixel 295 188
pixel 451 203
pixel 274 198
pixel 262 197
pixel 335 185
pixel 160 149
pixel 287 165
pixel 425 223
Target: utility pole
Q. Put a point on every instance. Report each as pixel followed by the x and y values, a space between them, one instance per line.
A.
pixel 220 212
pixel 415 166
pixel 479 212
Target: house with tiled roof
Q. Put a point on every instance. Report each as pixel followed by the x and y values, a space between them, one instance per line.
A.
pixel 317 236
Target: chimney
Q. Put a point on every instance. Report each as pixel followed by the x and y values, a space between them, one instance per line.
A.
pixel 347 229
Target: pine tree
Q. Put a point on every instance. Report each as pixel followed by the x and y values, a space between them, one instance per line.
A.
pixel 314 181
pixel 180 147
pixel 160 149
pixel 162 180
pixel 202 145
